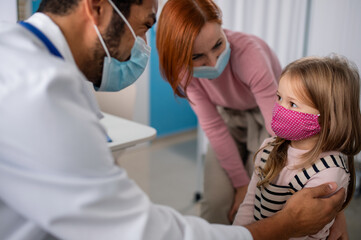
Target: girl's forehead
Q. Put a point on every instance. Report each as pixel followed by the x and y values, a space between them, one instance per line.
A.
pixel 295 88
pixel 292 86
pixel 291 82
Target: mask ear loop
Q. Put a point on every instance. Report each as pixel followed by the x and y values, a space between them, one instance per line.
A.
pixel 124 19
pixel 102 42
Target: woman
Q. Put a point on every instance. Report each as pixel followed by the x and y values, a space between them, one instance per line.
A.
pixel 230 79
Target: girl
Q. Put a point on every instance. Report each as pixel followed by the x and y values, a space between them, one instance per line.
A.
pixel 318 126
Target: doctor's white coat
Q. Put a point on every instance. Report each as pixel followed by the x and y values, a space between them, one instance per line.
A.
pixel 57 175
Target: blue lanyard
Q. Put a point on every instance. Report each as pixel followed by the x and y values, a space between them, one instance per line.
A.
pixel 52 49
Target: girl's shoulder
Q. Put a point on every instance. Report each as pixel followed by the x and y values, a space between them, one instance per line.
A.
pixel 264 150
pixel 330 167
pixel 329 160
pixel 268 142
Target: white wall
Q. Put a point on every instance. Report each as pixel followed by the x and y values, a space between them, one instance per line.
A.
pixel 141 107
pixel 8 11
pixel 281 23
pixel 335 27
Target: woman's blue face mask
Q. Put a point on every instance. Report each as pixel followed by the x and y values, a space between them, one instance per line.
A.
pixel 216 71
pixel 119 75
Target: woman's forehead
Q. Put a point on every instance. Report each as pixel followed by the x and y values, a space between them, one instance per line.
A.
pixel 210 33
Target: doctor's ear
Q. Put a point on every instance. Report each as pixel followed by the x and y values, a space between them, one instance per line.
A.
pixel 99 12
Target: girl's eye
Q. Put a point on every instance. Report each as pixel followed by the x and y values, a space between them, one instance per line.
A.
pixel 279 98
pixel 293 105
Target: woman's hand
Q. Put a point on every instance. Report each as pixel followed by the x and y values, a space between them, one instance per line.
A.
pixel 238 199
pixel 338 230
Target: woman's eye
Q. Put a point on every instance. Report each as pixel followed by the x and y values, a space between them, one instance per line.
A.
pixel 217 45
pixel 195 58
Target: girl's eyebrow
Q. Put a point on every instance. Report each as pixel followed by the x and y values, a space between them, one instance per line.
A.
pixel 293 99
pixel 288 97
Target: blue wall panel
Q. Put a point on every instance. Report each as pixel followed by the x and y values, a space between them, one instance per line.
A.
pixel 35 5
pixel 168 114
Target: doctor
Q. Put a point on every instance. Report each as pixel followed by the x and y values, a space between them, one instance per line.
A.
pixel 57 176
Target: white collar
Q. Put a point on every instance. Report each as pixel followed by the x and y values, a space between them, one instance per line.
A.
pixel 53 33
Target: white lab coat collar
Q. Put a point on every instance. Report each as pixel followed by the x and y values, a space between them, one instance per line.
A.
pixel 55 35
pixel 53 32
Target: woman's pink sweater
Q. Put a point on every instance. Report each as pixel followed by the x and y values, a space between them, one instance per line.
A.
pixel 249 80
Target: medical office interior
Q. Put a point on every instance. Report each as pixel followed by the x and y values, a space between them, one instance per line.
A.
pixel 169 166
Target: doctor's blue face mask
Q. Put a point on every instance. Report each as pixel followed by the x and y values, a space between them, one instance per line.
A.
pixel 216 71
pixel 118 75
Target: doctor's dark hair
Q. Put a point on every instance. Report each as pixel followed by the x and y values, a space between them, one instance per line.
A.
pixel 65 7
pixel 116 28
pixel 179 25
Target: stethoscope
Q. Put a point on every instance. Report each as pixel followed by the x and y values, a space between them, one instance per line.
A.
pixel 52 49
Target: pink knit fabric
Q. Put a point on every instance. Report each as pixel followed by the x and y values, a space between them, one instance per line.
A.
pixel 249 80
pixel 293 125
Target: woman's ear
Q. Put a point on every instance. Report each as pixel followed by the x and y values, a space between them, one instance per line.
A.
pixel 99 12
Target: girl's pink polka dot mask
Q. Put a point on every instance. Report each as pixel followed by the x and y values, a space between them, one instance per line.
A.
pixel 293 125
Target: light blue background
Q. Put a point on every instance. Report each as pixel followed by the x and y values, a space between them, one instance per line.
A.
pixel 36 4
pixel 168 114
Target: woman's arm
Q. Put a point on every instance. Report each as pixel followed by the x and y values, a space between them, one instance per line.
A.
pixel 218 134
pixel 338 230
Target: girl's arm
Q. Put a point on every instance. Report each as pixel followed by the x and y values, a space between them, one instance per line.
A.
pixel 246 209
pixel 245 212
pixel 337 175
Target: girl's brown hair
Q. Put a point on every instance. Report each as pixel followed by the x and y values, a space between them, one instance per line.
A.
pixel 179 25
pixel 331 85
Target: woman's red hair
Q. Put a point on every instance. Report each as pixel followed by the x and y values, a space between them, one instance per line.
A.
pixel 179 25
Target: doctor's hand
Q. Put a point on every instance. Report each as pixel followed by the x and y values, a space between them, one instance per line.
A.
pixel 239 195
pixel 309 211
pixel 305 213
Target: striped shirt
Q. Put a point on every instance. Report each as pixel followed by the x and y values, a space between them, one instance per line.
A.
pixel 271 198
pixel 246 213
